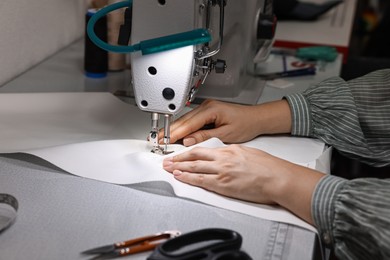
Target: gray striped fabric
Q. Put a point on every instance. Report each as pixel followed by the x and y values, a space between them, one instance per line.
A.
pixel 353 216
pixel 354 117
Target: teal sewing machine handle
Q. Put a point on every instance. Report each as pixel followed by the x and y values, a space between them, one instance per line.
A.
pixel 165 43
pixel 324 53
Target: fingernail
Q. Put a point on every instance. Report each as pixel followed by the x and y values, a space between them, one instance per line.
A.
pixel 177 173
pixel 167 162
pixel 189 141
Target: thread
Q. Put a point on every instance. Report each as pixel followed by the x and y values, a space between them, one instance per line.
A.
pixel 96 3
pixel 95 58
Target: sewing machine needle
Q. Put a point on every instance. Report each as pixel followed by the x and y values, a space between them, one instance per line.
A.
pixel 167 126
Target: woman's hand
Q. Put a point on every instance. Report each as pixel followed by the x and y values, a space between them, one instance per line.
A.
pixel 232 123
pixel 247 174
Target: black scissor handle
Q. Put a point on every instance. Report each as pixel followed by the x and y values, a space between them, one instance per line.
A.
pixel 231 255
pixel 216 240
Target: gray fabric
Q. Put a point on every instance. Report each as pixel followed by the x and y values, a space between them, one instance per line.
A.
pixel 61 215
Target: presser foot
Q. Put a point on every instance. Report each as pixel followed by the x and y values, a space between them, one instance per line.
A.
pixel 160 150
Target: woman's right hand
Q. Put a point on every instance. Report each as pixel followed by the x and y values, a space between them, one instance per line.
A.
pixel 231 123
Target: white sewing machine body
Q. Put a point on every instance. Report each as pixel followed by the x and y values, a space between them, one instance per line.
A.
pixel 164 82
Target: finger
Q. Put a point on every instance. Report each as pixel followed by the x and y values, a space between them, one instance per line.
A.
pixel 203 135
pixel 183 126
pixel 197 133
pixel 188 125
pixel 197 153
pixel 204 167
pixel 205 181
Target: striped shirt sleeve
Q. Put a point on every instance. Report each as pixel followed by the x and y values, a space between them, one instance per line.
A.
pixel 353 116
pixel 353 217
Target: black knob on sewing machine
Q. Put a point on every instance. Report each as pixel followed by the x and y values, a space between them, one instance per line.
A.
pixel 168 93
pixel 220 66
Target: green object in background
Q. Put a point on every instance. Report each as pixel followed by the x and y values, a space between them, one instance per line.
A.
pixel 174 41
pixel 169 42
pixel 314 53
pixel 324 53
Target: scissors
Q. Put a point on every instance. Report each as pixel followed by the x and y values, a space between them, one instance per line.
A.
pixel 132 246
pixel 205 244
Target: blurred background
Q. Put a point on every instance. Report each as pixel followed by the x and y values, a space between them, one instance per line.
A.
pixel 369 50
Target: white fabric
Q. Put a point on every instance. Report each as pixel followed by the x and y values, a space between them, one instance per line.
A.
pixel 97 136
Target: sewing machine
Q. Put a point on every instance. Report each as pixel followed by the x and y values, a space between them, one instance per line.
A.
pixel 206 45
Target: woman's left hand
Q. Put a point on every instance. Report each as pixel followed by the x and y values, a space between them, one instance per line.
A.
pixel 248 174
